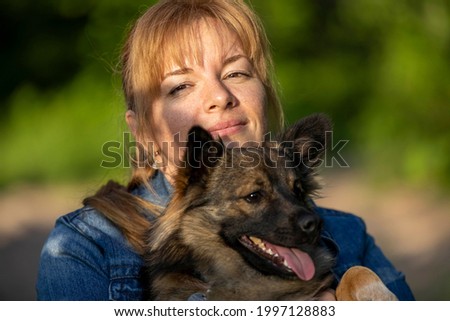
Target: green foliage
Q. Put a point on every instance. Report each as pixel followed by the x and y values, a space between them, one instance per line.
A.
pixel 380 68
pixel 58 135
pixel 61 98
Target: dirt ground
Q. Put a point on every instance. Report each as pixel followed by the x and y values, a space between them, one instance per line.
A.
pixel 411 226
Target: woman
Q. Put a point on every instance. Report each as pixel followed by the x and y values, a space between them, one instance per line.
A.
pixel 184 63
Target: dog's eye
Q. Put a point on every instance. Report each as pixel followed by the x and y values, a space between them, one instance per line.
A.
pixel 254 197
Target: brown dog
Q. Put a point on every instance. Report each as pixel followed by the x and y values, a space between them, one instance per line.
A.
pixel 240 225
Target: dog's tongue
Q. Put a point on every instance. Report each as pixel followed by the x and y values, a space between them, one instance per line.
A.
pixel 299 261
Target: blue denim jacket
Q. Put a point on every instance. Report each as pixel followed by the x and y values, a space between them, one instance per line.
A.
pixel 87 258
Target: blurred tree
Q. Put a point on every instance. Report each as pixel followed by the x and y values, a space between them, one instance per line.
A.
pixel 60 93
pixel 39 45
pixel 381 69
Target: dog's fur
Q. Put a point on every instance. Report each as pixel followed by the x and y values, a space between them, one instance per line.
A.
pixel 224 196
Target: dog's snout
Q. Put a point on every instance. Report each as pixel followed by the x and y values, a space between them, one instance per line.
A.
pixel 310 226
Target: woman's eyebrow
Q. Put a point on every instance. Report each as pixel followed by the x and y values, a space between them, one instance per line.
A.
pixel 234 58
pixel 185 70
pixel 176 72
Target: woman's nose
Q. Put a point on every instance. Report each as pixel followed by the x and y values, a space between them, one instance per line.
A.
pixel 219 96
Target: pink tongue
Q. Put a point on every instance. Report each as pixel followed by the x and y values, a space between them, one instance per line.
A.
pixel 299 261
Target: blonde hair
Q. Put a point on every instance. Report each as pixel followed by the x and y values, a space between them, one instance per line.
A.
pixel 163 35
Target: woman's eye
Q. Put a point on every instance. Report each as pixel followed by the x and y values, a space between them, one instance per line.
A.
pixel 237 74
pixel 177 89
pixel 254 197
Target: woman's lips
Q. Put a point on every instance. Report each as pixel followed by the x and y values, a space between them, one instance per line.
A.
pixel 226 128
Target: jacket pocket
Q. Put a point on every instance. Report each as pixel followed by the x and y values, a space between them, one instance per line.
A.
pixel 125 289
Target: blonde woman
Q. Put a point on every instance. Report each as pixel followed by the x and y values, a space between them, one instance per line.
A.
pixel 184 63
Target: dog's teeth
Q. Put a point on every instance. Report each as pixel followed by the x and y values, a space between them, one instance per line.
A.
pixel 255 240
pixel 258 242
pixel 270 251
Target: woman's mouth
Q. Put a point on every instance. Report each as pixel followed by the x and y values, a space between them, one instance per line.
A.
pixel 226 128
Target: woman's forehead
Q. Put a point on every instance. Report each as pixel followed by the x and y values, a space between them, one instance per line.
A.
pixel 206 40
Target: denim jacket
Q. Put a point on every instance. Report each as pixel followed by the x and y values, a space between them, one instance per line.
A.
pixel 87 258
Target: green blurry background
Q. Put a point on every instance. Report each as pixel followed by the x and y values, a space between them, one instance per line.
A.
pixel 380 68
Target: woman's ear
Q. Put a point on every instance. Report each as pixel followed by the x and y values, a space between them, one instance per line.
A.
pixel 130 118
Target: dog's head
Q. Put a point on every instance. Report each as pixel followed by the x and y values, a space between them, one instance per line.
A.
pixel 256 199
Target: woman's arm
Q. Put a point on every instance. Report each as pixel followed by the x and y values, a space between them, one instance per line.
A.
pixel 393 279
pixel 348 237
pixel 71 268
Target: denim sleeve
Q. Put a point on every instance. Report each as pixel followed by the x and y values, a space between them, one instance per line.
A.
pixel 354 246
pixel 70 263
pixel 393 279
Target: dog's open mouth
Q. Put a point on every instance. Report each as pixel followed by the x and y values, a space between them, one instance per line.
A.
pixel 291 260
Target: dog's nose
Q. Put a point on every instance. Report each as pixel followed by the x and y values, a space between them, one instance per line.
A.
pixel 310 225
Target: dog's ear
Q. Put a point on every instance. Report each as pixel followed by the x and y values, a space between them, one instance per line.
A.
pixel 306 140
pixel 202 153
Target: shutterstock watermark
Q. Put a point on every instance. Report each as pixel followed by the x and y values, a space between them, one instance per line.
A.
pixel 272 153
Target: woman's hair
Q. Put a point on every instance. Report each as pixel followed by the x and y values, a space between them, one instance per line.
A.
pixel 160 37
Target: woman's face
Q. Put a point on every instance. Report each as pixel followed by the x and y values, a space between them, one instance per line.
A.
pixel 222 94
